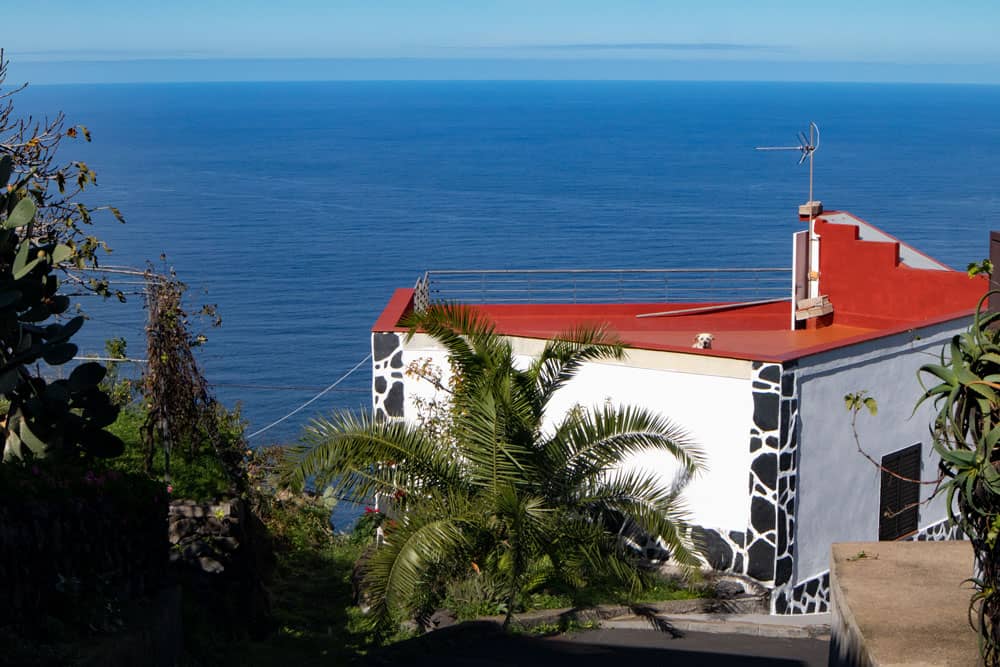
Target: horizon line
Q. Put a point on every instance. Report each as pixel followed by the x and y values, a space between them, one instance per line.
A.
pixel 819 82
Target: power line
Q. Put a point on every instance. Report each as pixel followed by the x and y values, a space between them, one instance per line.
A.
pixel 236 385
pixel 279 387
pixel 311 400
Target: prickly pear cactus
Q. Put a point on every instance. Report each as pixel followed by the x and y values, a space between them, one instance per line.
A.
pixel 59 419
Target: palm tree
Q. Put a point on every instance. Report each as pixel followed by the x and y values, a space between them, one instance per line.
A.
pixel 505 492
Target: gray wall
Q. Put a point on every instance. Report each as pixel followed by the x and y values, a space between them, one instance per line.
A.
pixel 838 496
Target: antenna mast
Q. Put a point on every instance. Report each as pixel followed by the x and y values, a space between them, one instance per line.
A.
pixel 807 146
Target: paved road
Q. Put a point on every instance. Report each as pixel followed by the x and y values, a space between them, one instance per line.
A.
pixel 475 644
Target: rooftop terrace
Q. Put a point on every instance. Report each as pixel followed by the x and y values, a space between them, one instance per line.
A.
pixel 878 286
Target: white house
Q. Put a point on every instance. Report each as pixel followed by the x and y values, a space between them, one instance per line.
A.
pixel 860 311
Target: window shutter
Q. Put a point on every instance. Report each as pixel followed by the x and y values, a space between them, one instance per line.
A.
pixel 898 510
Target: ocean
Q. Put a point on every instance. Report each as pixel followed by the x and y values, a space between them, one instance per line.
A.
pixel 299 207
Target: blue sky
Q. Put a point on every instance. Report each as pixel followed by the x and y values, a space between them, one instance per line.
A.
pixel 184 40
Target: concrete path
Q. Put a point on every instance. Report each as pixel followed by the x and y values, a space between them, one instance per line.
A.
pixel 807 626
pixel 485 645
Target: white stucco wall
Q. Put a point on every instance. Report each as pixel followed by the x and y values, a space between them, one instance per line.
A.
pixel 838 489
pixel 708 397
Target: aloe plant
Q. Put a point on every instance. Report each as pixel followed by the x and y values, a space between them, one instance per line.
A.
pixel 965 388
pixel 61 419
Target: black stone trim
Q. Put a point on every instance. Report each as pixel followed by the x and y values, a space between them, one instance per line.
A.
pixel 383 346
pixel 765 411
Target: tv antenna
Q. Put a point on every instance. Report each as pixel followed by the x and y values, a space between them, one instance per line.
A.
pixel 806 275
pixel 807 146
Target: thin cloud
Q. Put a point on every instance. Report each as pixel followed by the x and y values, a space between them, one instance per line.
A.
pixel 648 46
pixel 50 55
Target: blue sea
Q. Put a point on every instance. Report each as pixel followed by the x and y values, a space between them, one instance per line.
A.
pixel 299 207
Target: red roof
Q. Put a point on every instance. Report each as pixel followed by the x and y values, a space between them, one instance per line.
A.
pixel 873 292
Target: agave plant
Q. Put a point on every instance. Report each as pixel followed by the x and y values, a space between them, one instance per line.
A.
pixel 966 434
pixel 506 492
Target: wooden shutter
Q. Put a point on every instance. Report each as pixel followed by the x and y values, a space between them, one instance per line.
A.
pixel 898 511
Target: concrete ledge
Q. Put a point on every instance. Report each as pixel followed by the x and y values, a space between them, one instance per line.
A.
pixel 901 603
pixel 800 626
pixel 744 605
pixel 740 616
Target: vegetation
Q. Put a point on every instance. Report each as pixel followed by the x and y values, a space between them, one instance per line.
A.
pixel 54 187
pixel 42 229
pixel 181 414
pixel 522 516
pixel 200 477
pixel 501 496
pixel 965 387
pixel 63 419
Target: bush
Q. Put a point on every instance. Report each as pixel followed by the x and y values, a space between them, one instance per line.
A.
pixel 200 477
pixel 75 543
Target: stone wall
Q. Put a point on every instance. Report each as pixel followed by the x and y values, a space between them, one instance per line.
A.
pixel 58 545
pixel 222 554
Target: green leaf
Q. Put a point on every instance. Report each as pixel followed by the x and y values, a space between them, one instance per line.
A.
pixel 58 391
pixel 37 446
pixel 872 405
pixel 6 169
pixel 59 304
pixel 38 313
pixel 960 457
pixel 26 269
pixel 8 381
pixel 991 477
pixel 60 353
pixel 61 253
pixel 102 444
pixel 22 214
pixel 86 375
pixel 65 331
pixel 9 297
pixel 943 373
pixel 21 258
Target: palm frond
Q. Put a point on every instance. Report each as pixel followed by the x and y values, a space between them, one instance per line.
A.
pixel 562 357
pixel 641 498
pixel 584 550
pixel 586 444
pixel 360 455
pixel 467 335
pixel 395 574
pixel 493 460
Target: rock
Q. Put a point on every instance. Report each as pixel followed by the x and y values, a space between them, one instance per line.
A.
pixel 442 618
pixel 728 590
pixel 211 565
pixel 222 555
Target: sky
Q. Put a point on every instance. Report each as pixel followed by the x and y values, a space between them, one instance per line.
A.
pixel 206 40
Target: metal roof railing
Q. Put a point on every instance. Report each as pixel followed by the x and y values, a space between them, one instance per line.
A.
pixel 498 286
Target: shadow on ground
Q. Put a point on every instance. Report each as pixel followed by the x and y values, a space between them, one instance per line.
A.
pixel 486 644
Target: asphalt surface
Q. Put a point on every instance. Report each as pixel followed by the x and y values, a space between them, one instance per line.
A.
pixel 485 645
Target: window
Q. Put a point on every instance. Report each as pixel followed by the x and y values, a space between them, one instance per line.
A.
pixel 898 502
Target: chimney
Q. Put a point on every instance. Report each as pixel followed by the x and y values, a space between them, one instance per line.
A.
pixel 810 209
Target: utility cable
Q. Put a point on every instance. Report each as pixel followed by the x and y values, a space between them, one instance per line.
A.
pixel 311 400
pixel 236 385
